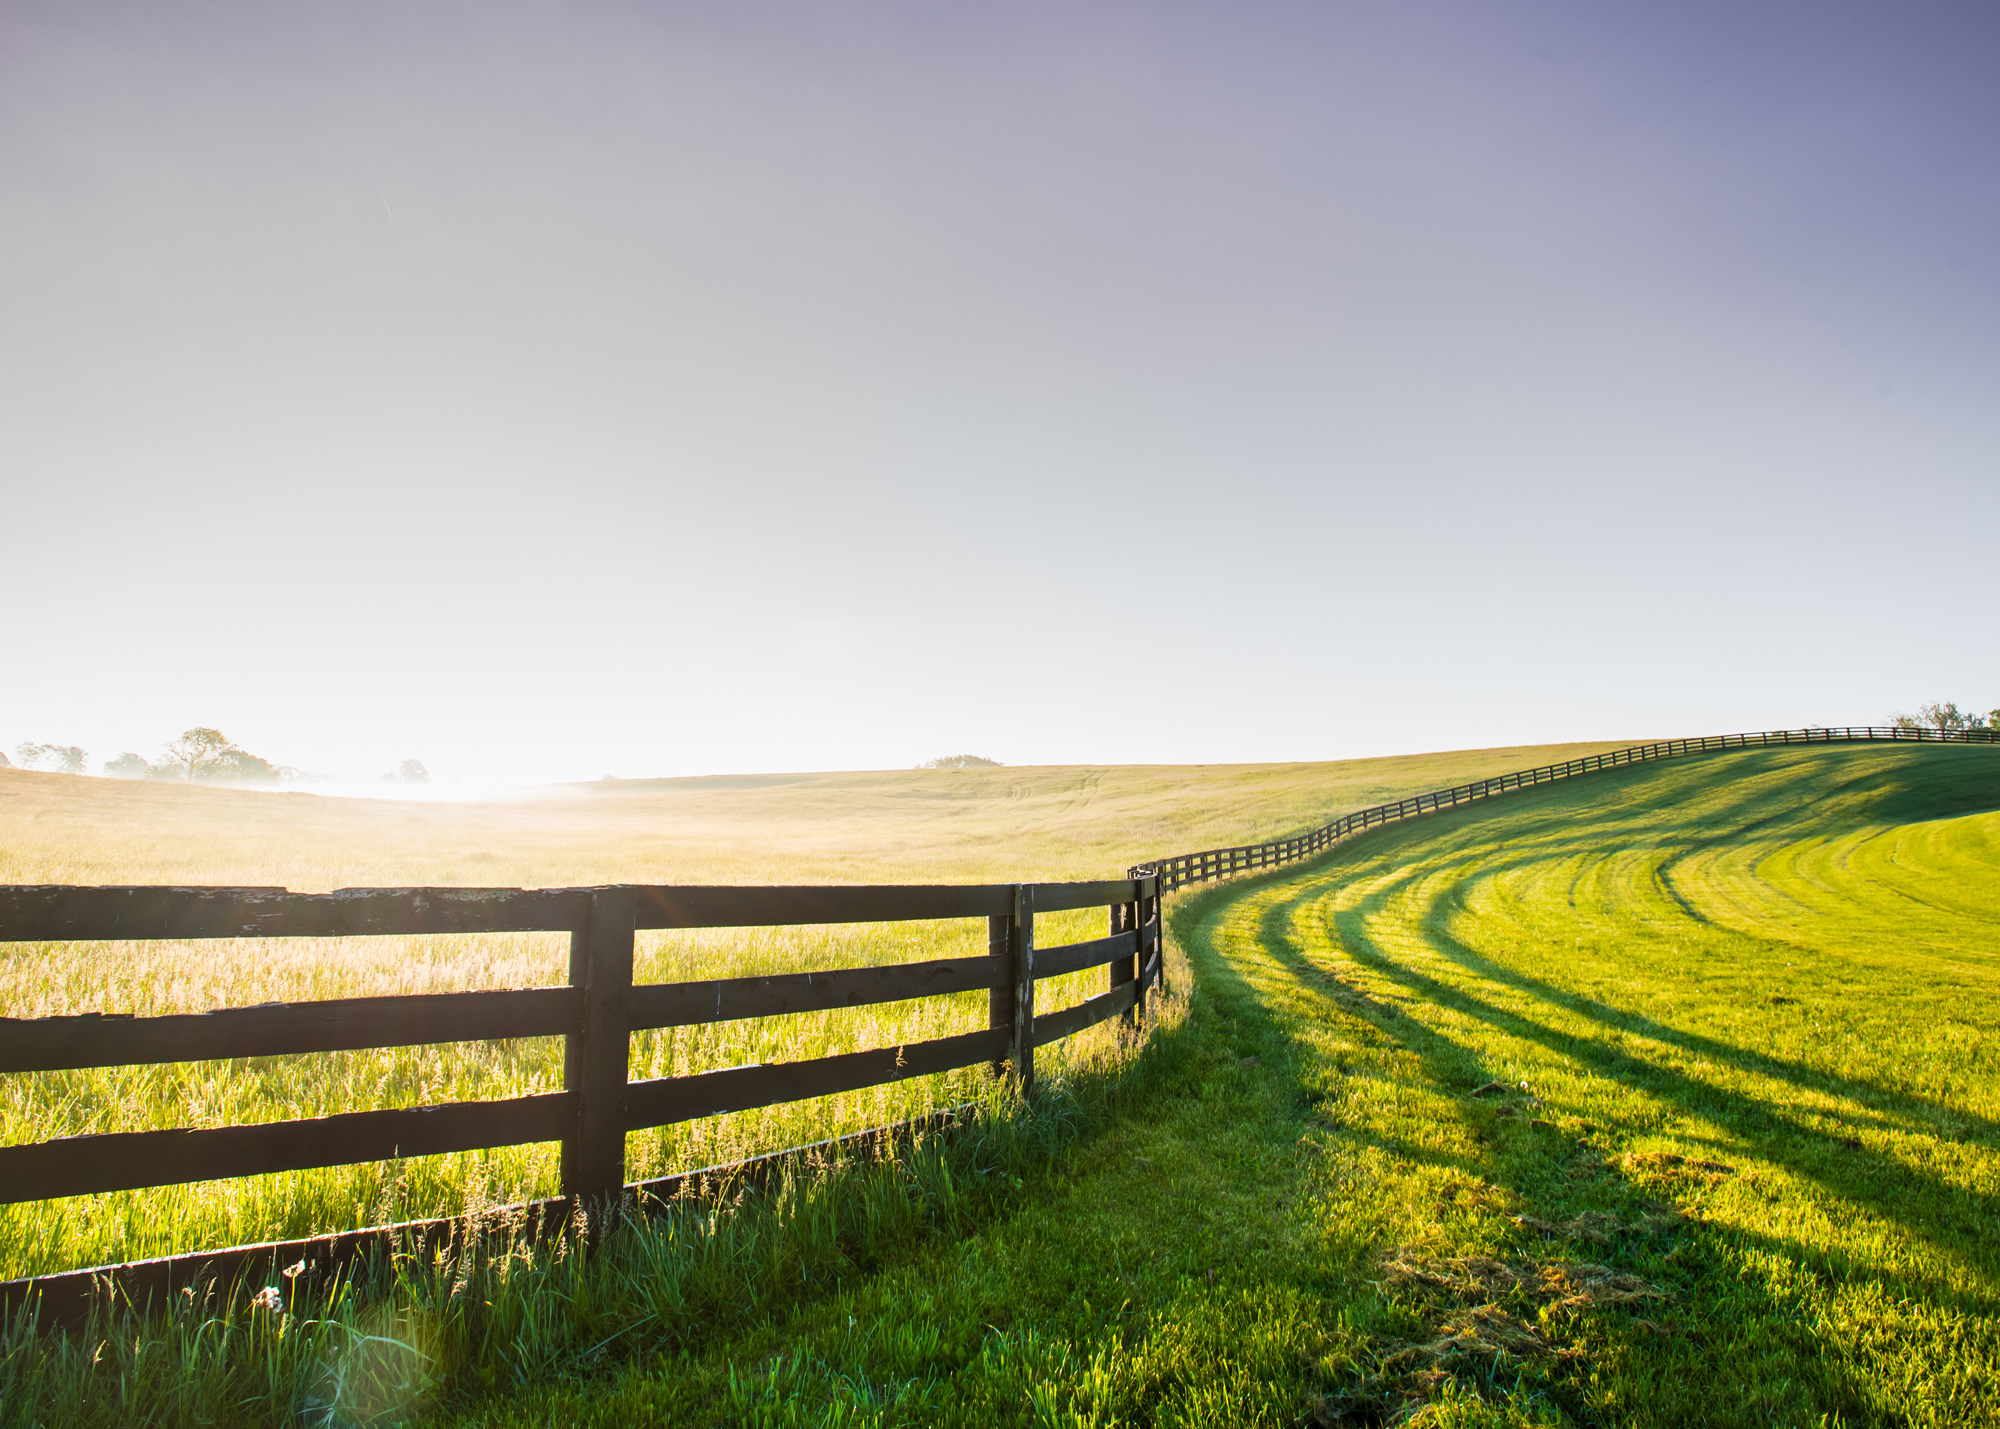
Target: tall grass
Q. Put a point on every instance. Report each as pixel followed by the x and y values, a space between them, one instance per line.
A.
pixel 39 1237
pixel 396 1341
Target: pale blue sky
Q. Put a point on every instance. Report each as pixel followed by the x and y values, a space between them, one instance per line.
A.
pixel 552 390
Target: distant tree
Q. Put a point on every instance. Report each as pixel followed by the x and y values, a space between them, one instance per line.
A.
pixel 960 761
pixel 63 758
pixel 127 766
pixel 1942 716
pixel 5 763
pixel 204 753
pixel 234 763
pixel 198 752
pixel 413 772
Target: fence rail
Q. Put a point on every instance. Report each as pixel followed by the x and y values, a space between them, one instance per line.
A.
pixel 1178 870
pixel 596 1013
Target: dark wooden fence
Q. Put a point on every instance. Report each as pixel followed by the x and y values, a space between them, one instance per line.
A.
pixel 1179 870
pixel 596 1013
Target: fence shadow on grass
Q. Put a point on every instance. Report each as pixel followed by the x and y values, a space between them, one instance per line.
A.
pixel 1887 1106
pixel 1895 1191
pixel 1668 810
pixel 1730 1321
pixel 1516 1180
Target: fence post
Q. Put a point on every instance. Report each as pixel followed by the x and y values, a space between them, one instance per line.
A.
pixel 1151 913
pixel 1000 997
pixel 1124 919
pixel 596 1057
pixel 1021 951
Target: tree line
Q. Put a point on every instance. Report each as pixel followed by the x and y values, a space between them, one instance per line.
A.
pixel 1945 715
pixel 201 753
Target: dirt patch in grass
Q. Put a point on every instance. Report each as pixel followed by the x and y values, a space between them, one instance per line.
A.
pixel 1486 1316
pixel 1554 1284
pixel 1643 1166
pixel 1601 1227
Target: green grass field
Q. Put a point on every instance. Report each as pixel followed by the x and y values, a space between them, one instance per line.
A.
pixel 1656 1097
pixel 1661 1097
pixel 911 826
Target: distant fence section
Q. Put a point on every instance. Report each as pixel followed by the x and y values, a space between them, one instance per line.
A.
pixel 596 1011
pixel 1179 870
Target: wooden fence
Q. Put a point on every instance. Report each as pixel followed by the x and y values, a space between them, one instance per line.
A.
pixel 596 1013
pixel 1179 870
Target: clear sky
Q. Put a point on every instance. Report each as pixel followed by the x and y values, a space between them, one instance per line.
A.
pixel 553 390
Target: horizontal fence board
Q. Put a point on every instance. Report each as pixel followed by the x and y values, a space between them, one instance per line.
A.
pixel 45 1044
pixel 1062 897
pixel 687 1004
pixel 717 906
pixel 1075 957
pixel 1054 1026
pixel 128 1161
pixel 666 1100
pixel 58 913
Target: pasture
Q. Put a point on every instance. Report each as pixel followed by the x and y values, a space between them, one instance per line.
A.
pixel 918 826
pixel 1659 1097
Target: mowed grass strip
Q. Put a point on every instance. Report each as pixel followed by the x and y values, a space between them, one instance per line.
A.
pixel 884 827
pixel 1664 1097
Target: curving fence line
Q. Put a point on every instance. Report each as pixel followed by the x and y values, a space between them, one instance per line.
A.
pixel 596 1012
pixel 1179 870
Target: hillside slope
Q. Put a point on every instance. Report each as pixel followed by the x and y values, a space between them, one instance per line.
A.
pixel 1661 1097
pixel 909 826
